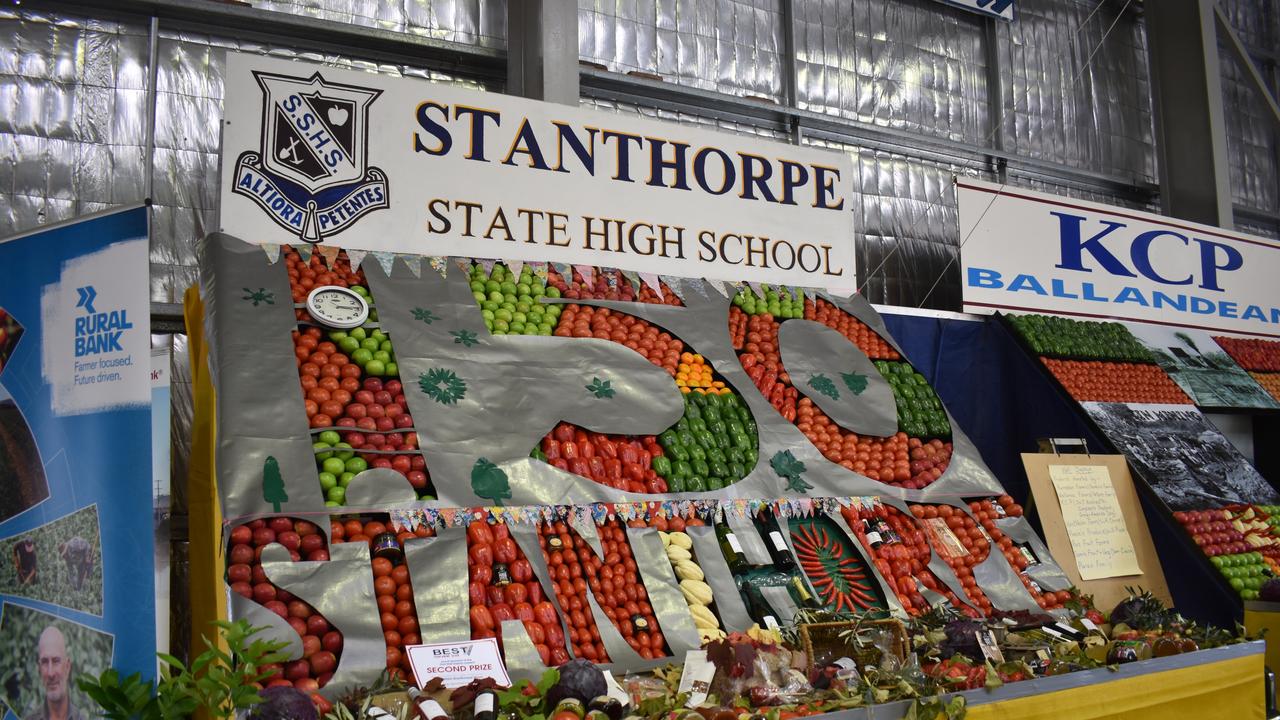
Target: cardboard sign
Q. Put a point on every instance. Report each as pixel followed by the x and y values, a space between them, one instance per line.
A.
pixel 1106 591
pixel 458 663
pixel 1094 522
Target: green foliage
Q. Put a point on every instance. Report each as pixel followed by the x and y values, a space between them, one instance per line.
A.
pixel 356 704
pixel 788 466
pixel 220 681
pixel 53 582
pixel 88 650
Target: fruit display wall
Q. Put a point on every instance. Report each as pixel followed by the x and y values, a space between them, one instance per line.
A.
pixel 480 398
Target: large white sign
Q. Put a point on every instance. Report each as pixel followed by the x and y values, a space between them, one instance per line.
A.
pixel 1032 252
pixel 381 163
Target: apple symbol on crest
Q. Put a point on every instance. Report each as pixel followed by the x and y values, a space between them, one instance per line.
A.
pixel 338 116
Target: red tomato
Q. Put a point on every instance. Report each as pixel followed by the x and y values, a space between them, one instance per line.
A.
pixel 515 593
pixel 476 591
pixel 479 532
pixel 481 554
pixel 521 571
pixel 505 551
pixel 545 613
pixel 481 619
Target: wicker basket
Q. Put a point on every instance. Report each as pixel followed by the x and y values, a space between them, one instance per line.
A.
pixel 823 645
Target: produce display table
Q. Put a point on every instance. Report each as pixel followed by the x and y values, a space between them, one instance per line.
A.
pixel 1224 682
pixel 1262 616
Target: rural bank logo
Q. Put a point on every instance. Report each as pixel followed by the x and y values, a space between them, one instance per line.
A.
pixel 98 333
pixel 311 173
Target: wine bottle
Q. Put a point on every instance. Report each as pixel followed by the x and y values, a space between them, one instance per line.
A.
pixel 428 709
pixel 759 610
pixel 486 706
pixel 776 544
pixel 873 536
pixel 731 548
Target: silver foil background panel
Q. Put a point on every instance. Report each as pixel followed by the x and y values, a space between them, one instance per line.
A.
pixel 475 22
pixel 1251 136
pixel 72 113
pixel 1098 118
pixel 916 65
pixel 731 46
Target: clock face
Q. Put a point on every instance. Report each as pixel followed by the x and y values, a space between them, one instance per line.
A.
pixel 337 307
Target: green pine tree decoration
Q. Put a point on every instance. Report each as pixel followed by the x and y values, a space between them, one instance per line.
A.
pixel 273 484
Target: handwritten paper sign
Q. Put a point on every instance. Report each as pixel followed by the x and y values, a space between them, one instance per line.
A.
pixel 1094 522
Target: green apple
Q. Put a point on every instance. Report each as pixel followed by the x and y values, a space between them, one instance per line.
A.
pixel 329 437
pixel 337 494
pixel 333 465
pixel 328 481
pixel 356 465
pixel 323 450
pixel 375 367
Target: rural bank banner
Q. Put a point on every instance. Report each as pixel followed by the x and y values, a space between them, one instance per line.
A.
pixel 370 162
pixel 1026 251
pixel 76 583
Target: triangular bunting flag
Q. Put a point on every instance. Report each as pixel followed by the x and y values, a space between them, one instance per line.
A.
pixel 719 286
pixel 676 285
pixel 329 254
pixel 273 252
pixel 386 260
pixel 415 264
pixel 439 264
pixel 654 283
pixel 304 252
pixel 756 288
pixel 633 278
pixel 539 270
pixel 588 274
pixel 356 257
pixel 564 271
pixel 488 265
pixel 516 266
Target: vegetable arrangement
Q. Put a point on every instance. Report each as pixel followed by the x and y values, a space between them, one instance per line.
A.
pixel 503 587
pixel 922 420
pixel 1241 541
pixel 571 563
pixel 391 586
pixel 1116 382
pixel 321 642
pixel 351 389
pixel 920 412
pixel 836 572
pixel 1252 353
pixel 1059 337
pixel 697 593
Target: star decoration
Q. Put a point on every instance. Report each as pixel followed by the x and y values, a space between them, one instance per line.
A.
pixel 261 296
pixel 442 385
pixel 464 337
pixel 425 316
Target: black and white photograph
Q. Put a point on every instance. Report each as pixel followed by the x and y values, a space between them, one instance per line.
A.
pixel 1187 461
pixel 1202 368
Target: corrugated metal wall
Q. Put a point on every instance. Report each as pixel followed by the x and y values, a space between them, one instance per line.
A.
pixel 73 108
pixel 1251 137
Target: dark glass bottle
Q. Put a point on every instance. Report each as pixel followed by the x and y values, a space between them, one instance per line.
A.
pixel 776 543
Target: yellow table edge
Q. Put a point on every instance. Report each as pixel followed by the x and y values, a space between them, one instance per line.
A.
pixel 1230 688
